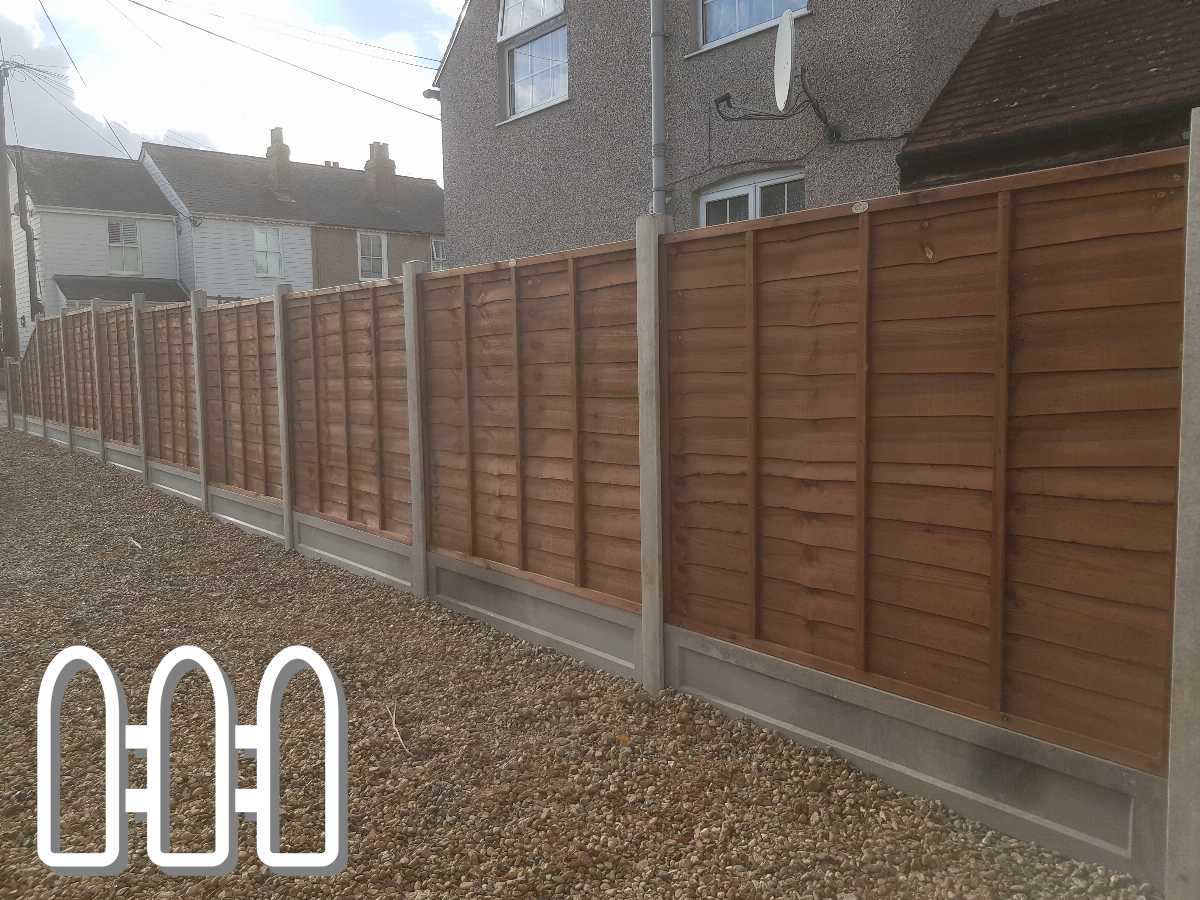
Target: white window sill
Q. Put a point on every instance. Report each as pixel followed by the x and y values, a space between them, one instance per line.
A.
pixel 737 36
pixel 126 274
pixel 534 109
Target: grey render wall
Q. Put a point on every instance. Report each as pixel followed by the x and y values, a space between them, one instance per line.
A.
pixel 578 173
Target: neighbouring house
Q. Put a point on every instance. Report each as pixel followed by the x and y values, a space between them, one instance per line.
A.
pixel 247 223
pixel 1069 82
pixel 87 227
pixel 546 104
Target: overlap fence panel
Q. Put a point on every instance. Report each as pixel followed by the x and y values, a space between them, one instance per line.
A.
pixel 81 373
pixel 50 363
pixel 931 445
pixel 350 406
pixel 531 402
pixel 241 396
pixel 118 385
pixel 168 373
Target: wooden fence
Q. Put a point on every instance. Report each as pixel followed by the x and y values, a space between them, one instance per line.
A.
pixel 927 443
pixel 531 399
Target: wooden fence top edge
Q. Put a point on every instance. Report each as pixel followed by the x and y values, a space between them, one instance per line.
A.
pixel 522 261
pixel 393 281
pixel 1096 168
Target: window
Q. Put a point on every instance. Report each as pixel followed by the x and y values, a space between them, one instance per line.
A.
pixel 722 18
pixel 268 261
pixel 752 197
pixel 537 72
pixel 518 15
pixel 124 254
pixel 372 255
pixel 437 254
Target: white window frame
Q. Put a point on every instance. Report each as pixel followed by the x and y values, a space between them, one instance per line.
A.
pixel 750 185
pixel 437 261
pixel 137 245
pixel 267 229
pixel 703 45
pixel 509 49
pixel 501 37
pixel 383 248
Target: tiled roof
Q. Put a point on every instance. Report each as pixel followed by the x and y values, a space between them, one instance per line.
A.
pixel 228 184
pixel 82 288
pixel 54 178
pixel 1067 64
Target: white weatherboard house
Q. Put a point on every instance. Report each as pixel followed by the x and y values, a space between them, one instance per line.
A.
pixel 93 227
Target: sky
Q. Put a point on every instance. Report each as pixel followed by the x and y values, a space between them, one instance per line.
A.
pixel 159 80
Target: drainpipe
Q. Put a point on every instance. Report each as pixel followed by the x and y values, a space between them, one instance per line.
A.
pixel 658 109
pixel 35 305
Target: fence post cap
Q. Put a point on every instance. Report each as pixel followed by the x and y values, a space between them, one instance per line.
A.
pixel 282 289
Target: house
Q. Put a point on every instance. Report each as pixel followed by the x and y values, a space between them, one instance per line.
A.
pixel 84 227
pixel 1069 82
pixel 546 104
pixel 247 223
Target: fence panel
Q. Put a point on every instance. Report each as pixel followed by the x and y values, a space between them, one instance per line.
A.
pixel 241 397
pixel 49 336
pixel 931 445
pixel 169 373
pixel 533 416
pixel 118 404
pixel 350 406
pixel 81 375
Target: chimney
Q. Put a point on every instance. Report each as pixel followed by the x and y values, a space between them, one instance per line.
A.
pixel 279 155
pixel 381 175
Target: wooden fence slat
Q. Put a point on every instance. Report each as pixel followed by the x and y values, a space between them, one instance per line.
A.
pixel 98 379
pixel 377 396
pixel 316 394
pixel 469 436
pixel 226 467
pixel 345 404
pixel 519 449
pixel 862 467
pixel 244 483
pixel 40 334
pixel 576 417
pixel 262 393
pixel 68 418
pixel 753 599
pixel 1000 389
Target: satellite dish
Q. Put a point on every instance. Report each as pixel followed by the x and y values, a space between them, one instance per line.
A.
pixel 784 38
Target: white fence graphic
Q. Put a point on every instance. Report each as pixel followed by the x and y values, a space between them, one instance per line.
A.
pixel 261 739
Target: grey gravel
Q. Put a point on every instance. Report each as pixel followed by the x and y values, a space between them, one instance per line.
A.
pixel 510 771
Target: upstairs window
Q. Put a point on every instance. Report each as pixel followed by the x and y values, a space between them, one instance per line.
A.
pixel 268 260
pixel 124 253
pixel 721 18
pixel 437 254
pixel 372 255
pixel 518 15
pixel 537 72
pixel 752 197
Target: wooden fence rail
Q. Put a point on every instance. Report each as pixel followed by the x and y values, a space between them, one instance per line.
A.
pixel 928 443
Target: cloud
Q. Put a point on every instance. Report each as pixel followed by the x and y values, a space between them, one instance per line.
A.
pixel 212 92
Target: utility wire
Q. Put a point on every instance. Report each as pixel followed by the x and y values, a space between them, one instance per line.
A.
pixel 324 34
pixel 323 43
pixel 39 82
pixel 124 15
pixel 286 62
pixel 82 80
pixel 11 108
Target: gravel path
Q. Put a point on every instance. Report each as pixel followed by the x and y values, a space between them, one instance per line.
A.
pixel 510 770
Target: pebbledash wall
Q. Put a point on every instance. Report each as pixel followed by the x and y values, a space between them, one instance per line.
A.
pixel 755 463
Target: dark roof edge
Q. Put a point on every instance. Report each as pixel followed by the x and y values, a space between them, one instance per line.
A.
pixel 1094 126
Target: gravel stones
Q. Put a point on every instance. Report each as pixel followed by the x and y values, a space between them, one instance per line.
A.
pixel 480 766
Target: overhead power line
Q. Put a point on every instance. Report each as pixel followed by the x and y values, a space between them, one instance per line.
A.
pixel 38 80
pixel 323 34
pixel 287 62
pixel 82 80
pixel 321 43
pixel 12 109
pixel 124 15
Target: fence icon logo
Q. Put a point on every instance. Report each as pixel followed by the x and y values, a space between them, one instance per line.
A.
pixel 153 801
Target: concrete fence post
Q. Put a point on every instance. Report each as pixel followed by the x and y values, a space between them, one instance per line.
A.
pixel 68 413
pixel 414 369
pixel 650 447
pixel 97 378
pixel 199 374
pixel 283 377
pixel 138 302
pixel 1183 779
